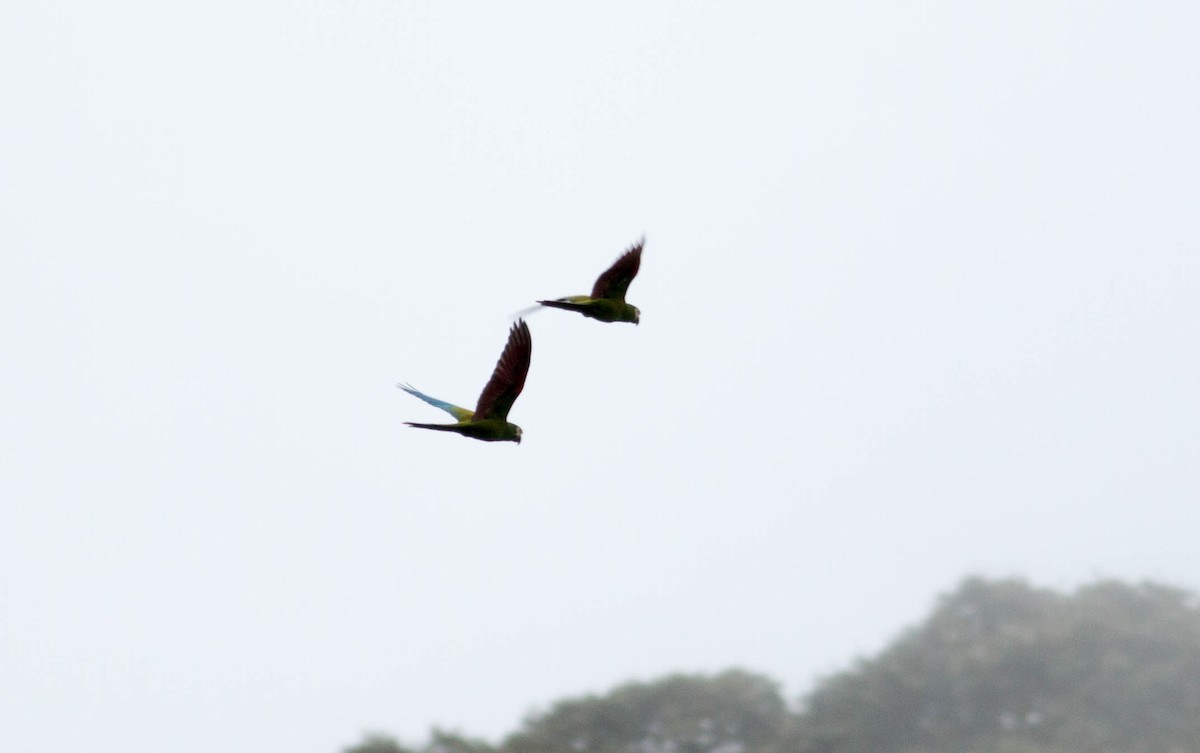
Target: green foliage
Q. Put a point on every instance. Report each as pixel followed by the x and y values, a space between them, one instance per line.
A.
pixel 733 711
pixel 1001 666
pixel 998 667
pixel 376 743
pixel 440 741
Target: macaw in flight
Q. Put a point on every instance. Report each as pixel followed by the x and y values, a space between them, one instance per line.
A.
pixel 489 420
pixel 607 301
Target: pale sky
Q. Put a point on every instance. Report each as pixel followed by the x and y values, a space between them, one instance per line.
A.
pixel 920 299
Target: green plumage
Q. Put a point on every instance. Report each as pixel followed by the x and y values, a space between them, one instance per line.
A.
pixel 489 421
pixel 607 301
pixel 487 430
pixel 603 309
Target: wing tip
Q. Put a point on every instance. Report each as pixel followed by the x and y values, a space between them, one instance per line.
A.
pixel 520 331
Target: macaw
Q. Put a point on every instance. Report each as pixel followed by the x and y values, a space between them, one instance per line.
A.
pixel 489 420
pixel 607 301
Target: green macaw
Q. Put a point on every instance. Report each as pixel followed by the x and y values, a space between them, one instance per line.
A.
pixel 489 420
pixel 607 301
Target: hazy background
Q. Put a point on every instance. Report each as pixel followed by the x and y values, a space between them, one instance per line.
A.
pixel 921 298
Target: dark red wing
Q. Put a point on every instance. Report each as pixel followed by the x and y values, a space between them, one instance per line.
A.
pixel 615 280
pixel 509 377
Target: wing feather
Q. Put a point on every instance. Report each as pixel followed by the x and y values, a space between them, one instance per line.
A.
pixel 508 379
pixel 615 280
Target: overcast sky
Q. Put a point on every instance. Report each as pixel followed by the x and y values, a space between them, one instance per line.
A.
pixel 920 299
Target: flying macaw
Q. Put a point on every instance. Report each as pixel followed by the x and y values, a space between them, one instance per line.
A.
pixel 489 420
pixel 607 301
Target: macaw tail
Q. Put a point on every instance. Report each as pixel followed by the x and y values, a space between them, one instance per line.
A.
pixel 435 427
pixel 568 305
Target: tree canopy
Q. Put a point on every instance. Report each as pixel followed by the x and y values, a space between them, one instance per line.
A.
pixel 999 666
pixel 1005 666
pixel 732 711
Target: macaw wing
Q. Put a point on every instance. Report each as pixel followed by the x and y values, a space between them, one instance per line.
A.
pixel 509 377
pixel 461 414
pixel 615 280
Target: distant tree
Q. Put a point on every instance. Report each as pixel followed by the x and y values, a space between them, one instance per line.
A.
pixel 998 667
pixel 376 743
pixel 1002 667
pixel 733 712
pixel 441 741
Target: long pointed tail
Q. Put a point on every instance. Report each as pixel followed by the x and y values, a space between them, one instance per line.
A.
pixel 567 305
pixel 435 427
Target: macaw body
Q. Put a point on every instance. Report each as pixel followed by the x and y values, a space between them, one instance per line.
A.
pixel 488 430
pixel 604 309
pixel 489 421
pixel 607 301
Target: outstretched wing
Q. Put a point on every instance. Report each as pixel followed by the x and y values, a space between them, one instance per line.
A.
pixel 509 377
pixel 615 280
pixel 462 414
